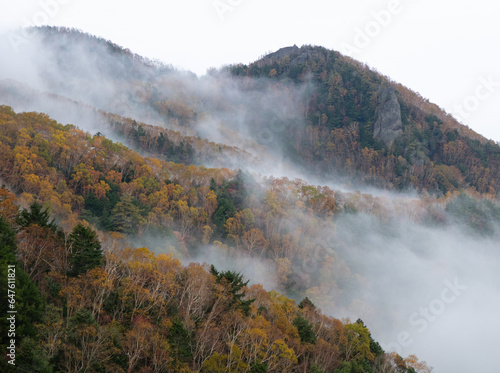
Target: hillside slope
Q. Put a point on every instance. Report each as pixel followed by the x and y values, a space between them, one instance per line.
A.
pixel 133 309
pixel 369 127
pixel 148 139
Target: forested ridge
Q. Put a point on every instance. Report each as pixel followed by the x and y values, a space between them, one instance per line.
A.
pixel 431 152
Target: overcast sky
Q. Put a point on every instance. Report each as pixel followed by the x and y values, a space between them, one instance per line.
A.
pixel 446 50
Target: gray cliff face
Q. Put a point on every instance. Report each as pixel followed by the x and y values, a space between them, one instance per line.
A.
pixel 388 125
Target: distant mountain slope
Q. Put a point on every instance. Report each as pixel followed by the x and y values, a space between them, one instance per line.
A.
pixel 95 72
pixel 148 139
pixel 374 129
pixel 92 55
pixel 83 68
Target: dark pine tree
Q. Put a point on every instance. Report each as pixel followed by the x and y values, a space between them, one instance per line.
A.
pixel 236 284
pixel 85 250
pixel 38 215
pixel 306 332
pixel 29 304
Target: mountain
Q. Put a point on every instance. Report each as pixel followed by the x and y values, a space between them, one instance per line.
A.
pixel 257 170
pixel 374 129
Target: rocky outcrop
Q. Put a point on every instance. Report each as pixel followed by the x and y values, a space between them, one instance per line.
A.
pixel 298 56
pixel 388 125
pixel 283 52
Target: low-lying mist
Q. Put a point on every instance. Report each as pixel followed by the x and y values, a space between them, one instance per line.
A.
pixel 423 286
pixel 430 291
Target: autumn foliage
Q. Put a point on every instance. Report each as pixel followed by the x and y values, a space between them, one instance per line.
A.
pixel 94 303
pixel 137 311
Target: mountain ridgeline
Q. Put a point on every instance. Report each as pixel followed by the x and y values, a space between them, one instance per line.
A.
pixel 158 199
